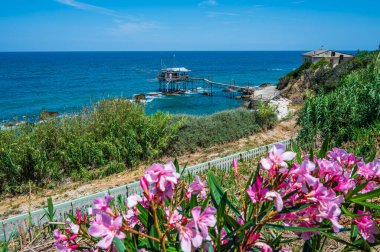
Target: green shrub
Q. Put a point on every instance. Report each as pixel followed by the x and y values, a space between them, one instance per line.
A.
pixel 285 80
pixel 109 134
pixel 205 131
pixel 353 105
pixel 365 141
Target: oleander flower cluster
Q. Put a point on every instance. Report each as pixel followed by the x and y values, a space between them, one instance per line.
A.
pixel 313 197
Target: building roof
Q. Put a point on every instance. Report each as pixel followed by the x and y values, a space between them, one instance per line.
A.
pixel 326 53
pixel 177 69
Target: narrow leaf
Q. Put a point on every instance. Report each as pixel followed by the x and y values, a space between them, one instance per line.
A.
pixel 339 240
pixel 365 196
pixel 119 244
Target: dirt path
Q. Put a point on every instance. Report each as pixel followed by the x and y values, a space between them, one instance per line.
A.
pixel 14 205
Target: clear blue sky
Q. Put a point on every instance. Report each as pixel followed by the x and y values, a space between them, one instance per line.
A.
pixel 76 25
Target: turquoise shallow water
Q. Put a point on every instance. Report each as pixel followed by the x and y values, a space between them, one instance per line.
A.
pixel 67 81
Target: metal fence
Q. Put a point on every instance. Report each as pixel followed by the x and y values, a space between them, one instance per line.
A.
pixel 22 223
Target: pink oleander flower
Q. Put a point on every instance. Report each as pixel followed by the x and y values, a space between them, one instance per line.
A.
pixel 285 250
pixel 235 167
pixel 133 200
pixel 202 221
pixel 104 226
pixel 240 221
pixel 101 205
pixel 263 247
pixel 197 187
pixel 277 157
pixel 73 227
pixel 342 157
pixel 164 178
pixel 276 198
pixel 66 247
pixel 174 217
pixel 131 218
pixel 327 203
pixel 188 237
pixel 369 187
pixel 330 212
pixel 144 185
pixel 58 236
pixel 223 235
pixel 367 226
pixel 256 192
pixel 345 184
pixel 371 170
pixel 303 173
pixel 328 169
pixel 66 242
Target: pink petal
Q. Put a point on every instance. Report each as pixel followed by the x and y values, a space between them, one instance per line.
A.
pixel 196 211
pixel 120 235
pixel 97 230
pixel 276 197
pixel 186 245
pixel 278 148
pixel 266 163
pixel 197 240
pixel 289 155
pixel 106 242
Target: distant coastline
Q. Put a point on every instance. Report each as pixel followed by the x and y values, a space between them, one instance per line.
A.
pixel 65 82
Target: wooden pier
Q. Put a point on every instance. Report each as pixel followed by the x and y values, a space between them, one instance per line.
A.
pixel 178 81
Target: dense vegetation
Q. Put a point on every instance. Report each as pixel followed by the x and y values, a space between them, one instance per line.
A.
pixel 287 202
pixel 226 126
pixel 112 135
pixel 350 111
pixel 321 77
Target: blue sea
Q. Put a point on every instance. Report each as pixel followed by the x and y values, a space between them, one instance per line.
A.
pixel 67 81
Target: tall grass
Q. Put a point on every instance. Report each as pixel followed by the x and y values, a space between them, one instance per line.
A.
pixel 222 127
pixel 354 104
pixel 113 134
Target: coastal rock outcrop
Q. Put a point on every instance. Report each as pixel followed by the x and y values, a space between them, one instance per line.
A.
pixel 282 107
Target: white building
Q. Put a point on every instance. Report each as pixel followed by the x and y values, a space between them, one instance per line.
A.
pixel 333 57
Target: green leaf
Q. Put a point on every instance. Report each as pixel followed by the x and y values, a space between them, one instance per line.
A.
pixel 219 218
pixel 354 232
pixel 176 164
pixel 297 150
pixel 325 146
pixel 247 225
pixel 217 193
pixel 339 240
pixel 363 203
pixel 355 191
pixel 348 213
pixel 296 208
pixel 193 201
pixel 205 202
pixel 311 158
pixel 221 209
pixel 119 244
pixel 50 206
pixel 154 244
pixel 171 249
pixel 365 196
pixel 294 229
pixel 231 221
pixel 143 216
pixel 307 246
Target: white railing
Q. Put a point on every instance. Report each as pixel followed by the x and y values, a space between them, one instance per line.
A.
pixel 21 223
